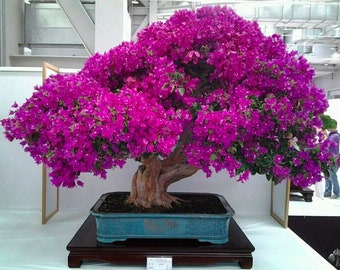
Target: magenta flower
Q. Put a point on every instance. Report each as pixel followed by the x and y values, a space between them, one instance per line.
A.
pixel 207 83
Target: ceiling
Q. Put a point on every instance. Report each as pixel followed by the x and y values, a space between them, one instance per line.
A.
pixel 310 27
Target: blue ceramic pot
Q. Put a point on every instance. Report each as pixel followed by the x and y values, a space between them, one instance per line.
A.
pixel 211 228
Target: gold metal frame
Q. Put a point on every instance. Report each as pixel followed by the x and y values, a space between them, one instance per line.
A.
pixel 50 193
pixel 279 207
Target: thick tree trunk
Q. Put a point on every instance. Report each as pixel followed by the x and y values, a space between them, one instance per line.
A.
pixel 152 179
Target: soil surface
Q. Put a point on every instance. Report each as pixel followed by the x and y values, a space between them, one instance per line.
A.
pixel 190 204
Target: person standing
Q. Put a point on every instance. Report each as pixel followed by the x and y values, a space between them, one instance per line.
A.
pixel 332 182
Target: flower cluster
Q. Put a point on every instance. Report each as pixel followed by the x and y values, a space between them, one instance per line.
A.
pixel 240 95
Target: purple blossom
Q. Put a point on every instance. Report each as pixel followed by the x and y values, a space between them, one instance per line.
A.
pixel 209 74
pixel 278 159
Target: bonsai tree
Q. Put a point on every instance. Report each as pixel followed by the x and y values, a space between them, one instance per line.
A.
pixel 205 90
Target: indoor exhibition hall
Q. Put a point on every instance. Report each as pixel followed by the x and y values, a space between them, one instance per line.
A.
pixel 159 135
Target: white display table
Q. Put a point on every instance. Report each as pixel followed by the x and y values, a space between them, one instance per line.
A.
pixel 26 244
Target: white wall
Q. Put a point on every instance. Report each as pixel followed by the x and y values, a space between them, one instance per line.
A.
pixel 20 177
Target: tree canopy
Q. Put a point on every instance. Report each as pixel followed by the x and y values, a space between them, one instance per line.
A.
pixel 206 81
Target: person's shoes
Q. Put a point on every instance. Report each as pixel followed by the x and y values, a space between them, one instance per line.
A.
pixel 327 195
pixel 335 197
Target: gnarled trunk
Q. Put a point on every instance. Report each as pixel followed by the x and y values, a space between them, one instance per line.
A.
pixel 152 179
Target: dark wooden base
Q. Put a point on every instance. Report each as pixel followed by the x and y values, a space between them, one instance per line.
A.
pixel 310 229
pixel 307 193
pixel 84 246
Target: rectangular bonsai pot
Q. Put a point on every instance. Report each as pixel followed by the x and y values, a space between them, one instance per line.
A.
pixel 204 227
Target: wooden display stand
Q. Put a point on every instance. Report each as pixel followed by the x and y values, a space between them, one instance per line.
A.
pixel 84 246
pixel 307 193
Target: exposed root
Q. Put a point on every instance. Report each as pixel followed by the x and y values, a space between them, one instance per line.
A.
pixel 166 200
pixel 142 202
pixel 152 179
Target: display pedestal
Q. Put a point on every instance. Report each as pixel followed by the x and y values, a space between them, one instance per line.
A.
pixel 307 193
pixel 84 246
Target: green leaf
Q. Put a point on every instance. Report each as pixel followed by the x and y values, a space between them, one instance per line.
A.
pixel 181 90
pixel 213 156
pixel 269 176
pixel 196 106
pixel 326 173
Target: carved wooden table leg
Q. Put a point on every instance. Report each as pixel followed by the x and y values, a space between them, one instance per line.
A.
pixel 308 196
pixel 74 261
pixel 246 263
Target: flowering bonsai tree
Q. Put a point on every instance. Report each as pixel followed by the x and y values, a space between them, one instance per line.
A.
pixel 206 90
